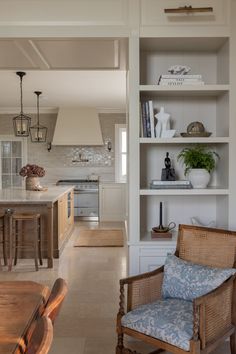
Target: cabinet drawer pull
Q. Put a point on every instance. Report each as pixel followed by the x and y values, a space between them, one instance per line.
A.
pixel 188 9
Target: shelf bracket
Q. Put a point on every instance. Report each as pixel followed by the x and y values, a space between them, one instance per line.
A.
pixel 188 10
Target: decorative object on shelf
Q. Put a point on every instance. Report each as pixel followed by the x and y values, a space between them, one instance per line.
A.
pixel 32 174
pixel 196 129
pixel 162 129
pixel 21 123
pixel 162 231
pixel 199 162
pixel 38 132
pixel 179 69
pixel 168 173
pixel 188 10
pixel 195 221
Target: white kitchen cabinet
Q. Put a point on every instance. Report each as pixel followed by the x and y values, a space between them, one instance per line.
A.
pixel 112 202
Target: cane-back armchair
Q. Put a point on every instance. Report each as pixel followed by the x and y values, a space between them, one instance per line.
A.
pixel 213 315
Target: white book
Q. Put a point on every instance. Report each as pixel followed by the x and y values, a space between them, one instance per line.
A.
pixel 156 182
pixel 151 114
pixel 181 83
pixel 180 80
pixel 141 121
pixel 181 76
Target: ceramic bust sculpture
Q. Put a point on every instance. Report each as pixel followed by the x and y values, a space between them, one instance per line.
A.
pixel 163 123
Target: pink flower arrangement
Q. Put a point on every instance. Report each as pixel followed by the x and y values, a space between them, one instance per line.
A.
pixel 32 171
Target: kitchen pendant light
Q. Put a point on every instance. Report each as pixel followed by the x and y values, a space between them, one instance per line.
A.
pixel 38 132
pixel 21 123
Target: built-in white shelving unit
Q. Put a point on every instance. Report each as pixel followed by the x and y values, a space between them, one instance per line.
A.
pixel 211 103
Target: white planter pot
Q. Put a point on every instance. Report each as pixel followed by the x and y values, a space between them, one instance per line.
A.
pixel 199 177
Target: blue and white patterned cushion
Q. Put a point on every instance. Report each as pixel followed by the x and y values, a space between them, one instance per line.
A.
pixel 187 281
pixel 169 320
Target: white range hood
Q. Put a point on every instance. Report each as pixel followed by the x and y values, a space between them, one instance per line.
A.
pixel 77 126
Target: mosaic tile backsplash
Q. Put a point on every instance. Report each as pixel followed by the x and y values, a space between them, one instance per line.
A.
pixel 72 161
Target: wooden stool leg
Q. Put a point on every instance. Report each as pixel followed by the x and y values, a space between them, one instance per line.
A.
pixel 16 241
pixel 10 243
pixel 4 241
pixel 36 245
pixel 40 228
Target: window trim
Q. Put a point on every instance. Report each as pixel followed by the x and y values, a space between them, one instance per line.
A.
pixel 24 151
pixel 118 128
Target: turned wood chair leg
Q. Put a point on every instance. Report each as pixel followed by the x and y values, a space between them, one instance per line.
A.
pixel 120 344
pixel 233 343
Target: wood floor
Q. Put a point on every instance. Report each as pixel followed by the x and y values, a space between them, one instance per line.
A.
pixel 86 324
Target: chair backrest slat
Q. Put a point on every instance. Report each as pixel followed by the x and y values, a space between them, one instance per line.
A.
pixel 56 298
pixel 207 246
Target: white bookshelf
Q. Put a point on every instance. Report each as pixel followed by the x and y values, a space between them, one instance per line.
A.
pixel 181 140
pixel 185 192
pixel 186 90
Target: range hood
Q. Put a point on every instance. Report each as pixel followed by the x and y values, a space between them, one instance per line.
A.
pixel 77 126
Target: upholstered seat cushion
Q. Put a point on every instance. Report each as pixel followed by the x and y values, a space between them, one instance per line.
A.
pixel 170 320
pixel 187 281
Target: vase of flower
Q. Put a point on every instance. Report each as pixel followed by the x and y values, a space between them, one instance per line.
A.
pixel 32 174
pixel 32 183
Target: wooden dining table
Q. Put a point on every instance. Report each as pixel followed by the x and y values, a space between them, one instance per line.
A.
pixel 20 304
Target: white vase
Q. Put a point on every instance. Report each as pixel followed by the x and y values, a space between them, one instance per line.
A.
pixel 199 177
pixel 32 183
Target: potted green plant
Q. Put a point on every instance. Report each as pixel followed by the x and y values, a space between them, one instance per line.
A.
pixel 199 162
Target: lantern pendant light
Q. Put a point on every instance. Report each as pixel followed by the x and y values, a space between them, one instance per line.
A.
pixel 38 132
pixel 21 123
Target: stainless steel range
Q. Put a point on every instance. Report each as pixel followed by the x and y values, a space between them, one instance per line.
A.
pixel 86 198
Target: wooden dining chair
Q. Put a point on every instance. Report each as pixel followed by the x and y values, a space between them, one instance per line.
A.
pixel 56 299
pixel 41 339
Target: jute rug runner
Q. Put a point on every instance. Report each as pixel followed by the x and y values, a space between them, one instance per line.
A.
pixel 100 238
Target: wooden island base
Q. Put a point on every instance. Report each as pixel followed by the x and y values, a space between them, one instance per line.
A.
pixel 56 206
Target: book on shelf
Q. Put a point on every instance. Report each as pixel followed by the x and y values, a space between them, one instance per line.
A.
pixel 180 184
pixel 147 129
pixel 180 80
pixel 181 83
pixel 176 76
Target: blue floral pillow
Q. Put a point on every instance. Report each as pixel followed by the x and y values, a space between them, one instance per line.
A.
pixel 187 281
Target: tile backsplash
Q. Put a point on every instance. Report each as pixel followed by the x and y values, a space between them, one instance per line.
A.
pixel 71 161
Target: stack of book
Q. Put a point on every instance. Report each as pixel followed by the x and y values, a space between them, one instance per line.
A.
pixel 178 80
pixel 181 184
pixel 147 126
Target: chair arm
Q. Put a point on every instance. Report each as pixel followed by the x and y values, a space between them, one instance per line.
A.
pixel 141 289
pixel 213 312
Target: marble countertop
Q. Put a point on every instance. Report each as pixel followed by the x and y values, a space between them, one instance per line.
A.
pixel 20 195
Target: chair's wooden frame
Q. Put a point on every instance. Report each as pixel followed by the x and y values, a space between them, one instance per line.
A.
pixel 214 314
pixel 42 336
pixel 56 299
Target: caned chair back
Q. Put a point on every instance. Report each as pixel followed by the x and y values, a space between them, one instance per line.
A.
pixel 41 339
pixel 56 298
pixel 207 246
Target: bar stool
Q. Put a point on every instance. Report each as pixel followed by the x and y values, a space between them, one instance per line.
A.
pixel 18 222
pixel 3 238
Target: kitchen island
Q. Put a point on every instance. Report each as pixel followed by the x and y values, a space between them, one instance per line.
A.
pixel 56 206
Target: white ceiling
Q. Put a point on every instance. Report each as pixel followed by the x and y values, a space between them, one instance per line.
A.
pixel 69 72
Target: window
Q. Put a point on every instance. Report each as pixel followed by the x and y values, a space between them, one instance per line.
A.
pixel 12 154
pixel 121 152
